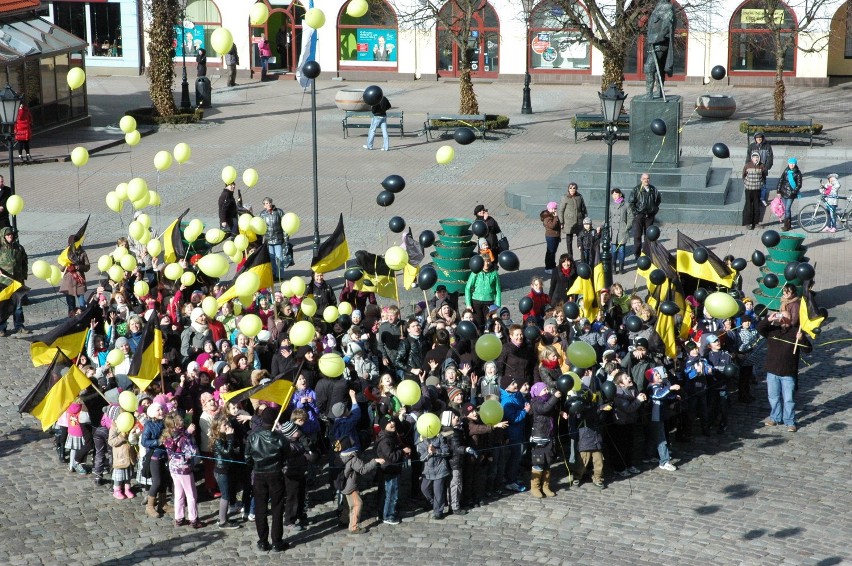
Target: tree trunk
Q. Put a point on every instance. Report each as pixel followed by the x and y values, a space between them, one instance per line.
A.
pixel 467 98
pixel 780 93
pixel 161 74
pixel 613 67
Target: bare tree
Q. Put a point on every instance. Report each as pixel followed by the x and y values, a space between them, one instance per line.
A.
pixel 165 14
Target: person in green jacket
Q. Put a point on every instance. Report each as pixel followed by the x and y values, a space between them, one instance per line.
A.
pixel 482 291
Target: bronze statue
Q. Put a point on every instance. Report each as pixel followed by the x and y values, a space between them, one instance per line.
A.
pixel 659 45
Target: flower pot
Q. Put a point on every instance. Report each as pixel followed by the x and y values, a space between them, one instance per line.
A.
pixel 715 106
pixel 453 280
pixel 455 252
pixel 452 240
pixel 789 242
pixel 351 99
pixel 449 263
pixel 456 226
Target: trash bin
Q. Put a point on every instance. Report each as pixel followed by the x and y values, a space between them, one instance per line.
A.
pixel 203 90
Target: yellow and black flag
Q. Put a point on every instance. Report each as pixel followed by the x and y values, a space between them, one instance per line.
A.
pixel 279 391
pixel 378 277
pixel 78 241
pixel 714 269
pixel 56 390
pixel 810 317
pixel 333 252
pixel 173 246
pixel 257 263
pixel 590 290
pixel 146 363
pixel 8 287
pixel 69 336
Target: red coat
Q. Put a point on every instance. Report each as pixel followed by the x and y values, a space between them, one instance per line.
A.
pixel 24 124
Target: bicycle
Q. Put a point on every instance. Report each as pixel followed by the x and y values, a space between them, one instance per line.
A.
pixel 814 217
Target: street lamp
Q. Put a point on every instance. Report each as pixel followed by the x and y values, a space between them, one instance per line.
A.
pixel 526 105
pixel 185 105
pixel 612 101
pixel 311 70
pixel 9 101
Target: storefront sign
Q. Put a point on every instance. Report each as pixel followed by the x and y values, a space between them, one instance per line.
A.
pixel 758 16
pixel 376 44
pixel 193 39
pixel 541 42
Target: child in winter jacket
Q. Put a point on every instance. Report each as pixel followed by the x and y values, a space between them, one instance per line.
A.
pixel 587 241
pixel 181 449
pixel 390 449
pixel 353 468
pixel 453 434
pixel 748 339
pixel 434 454
pixel 696 369
pixel 123 460
pixel 660 393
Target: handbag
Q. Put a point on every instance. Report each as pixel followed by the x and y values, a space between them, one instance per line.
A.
pixel 777 206
pixel 503 243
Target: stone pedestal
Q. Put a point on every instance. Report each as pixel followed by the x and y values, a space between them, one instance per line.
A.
pixel 646 147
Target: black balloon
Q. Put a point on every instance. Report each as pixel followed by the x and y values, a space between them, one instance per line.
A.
pixel 700 255
pixel 760 309
pixel 427 238
pixel 427 277
pixel 345 321
pixel 311 69
pixel 791 270
pixel 701 294
pixel 658 126
pixel 718 72
pixel 464 136
pixel 476 263
pixel 770 238
pixel 643 262
pixel 652 233
pixel 373 95
pixel 564 383
pixel 571 310
pixel 740 308
pixel 669 308
pixel 479 228
pixel 584 271
pixel 633 323
pixel 770 280
pixel 393 183
pixel 353 274
pixel 805 271
pixel 577 406
pixel 385 198
pixel 721 151
pixel 739 264
pixel 608 390
pixel 531 333
pixel 657 277
pixel 509 261
pixel 731 370
pixel 467 330
pixel 823 312
pixel 396 224
pixel 758 258
pixel 525 305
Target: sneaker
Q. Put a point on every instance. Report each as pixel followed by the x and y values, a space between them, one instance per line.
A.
pixel 391 521
pixel 263 546
pixel 250 518
pixel 228 526
pixel 826 229
pixel 575 483
pixel 24 332
pixel 634 470
pixel 623 474
pixel 181 522
pixel 599 484
pixel 764 203
pixel 548 271
pixel 80 469
pixel 384 149
pixel 512 487
pixel 668 467
pixel 770 422
pixel 832 230
pixel 791 429
pixel 196 524
pixel 367 148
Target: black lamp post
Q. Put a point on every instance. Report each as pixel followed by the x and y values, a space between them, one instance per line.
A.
pixel 612 101
pixel 311 70
pixel 185 105
pixel 526 105
pixel 9 101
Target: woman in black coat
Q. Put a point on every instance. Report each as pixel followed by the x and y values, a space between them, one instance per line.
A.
pixel 561 280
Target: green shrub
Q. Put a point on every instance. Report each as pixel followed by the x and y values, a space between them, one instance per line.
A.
pixel 149 116
pixel 814 129
pixel 585 125
pixel 492 122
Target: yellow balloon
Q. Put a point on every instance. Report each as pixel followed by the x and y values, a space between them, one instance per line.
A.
pixel 128 401
pixel 75 78
pixel 237 257
pixel 315 18
pixel 154 198
pixel 119 252
pixel 113 202
pixel 210 306
pixel 116 273
pixel 104 263
pixel 182 152
pixel 41 269
pixel 247 284
pixel 193 230
pixel 241 242
pixel 445 154
pixel 331 365
pixel 136 189
pixel 115 357
pixel 330 314
pixel 258 225
pixel 136 230
pixel 298 286
pixel 286 290
pixel 356 9
pixel 121 191
pixel 55 275
pixel 146 237
pixel 308 307
pixel 258 14
pixel 396 257
pixel 187 279
pixel 344 308
pixel 290 223
pixel 251 235
pixel 140 289
pixel 154 247
pixel 132 138
pixel 213 265
pixel 238 308
pixel 142 202
pixel 125 421
pixel 79 156
pixel 127 124
pixel 244 222
pixel 162 161
pixel 250 176
pixel 229 248
pixel 173 271
pixel 144 220
pixel 302 333
pixel 15 205
pixel 250 325
pixel 128 262
pixel 408 392
pixel 214 236
pixel 221 40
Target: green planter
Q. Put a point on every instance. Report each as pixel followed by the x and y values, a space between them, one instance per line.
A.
pixel 788 242
pixel 450 241
pixel 456 252
pixel 454 279
pixel 785 256
pixel 455 226
pixel 449 263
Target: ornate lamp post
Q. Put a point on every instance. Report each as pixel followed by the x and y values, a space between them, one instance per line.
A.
pixel 312 70
pixel 612 101
pixel 9 101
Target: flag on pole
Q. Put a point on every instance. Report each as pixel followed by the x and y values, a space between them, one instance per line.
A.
pixel 279 391
pixel 69 336
pixel 590 289
pixel 378 277
pixel 173 247
pixel 79 236
pixel 309 49
pixel 146 364
pixel 333 252
pixel 258 263
pixel 56 390
pixel 714 269
pixel 810 318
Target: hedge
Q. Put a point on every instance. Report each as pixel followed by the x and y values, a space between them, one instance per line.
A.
pixel 149 116
pixel 492 122
pixel 814 129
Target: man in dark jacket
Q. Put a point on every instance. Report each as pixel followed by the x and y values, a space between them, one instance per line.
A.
pixel 784 343
pixel 13 264
pixel 266 453
pixel 644 204
pixel 322 292
pixel 390 449
pixel 517 359
pixel 228 209
pixel 276 240
pixel 390 335
pixel 409 358
pixel 481 213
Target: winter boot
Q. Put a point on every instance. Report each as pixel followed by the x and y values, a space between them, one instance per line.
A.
pixel 621 265
pixel 60 453
pixel 128 493
pixel 535 484
pixel 786 226
pixel 163 503
pixel 29 158
pixel 117 493
pixel 545 484
pixel 150 509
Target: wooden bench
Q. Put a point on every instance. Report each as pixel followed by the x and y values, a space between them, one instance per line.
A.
pixel 451 122
pixel 362 119
pixel 593 124
pixel 770 128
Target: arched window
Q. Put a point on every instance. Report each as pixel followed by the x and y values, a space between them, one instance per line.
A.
pixel 371 40
pixel 283 30
pixel 483 43
pixel 634 60
pixel 201 20
pixel 751 44
pixel 554 43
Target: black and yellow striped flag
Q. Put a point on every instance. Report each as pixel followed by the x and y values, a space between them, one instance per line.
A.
pixel 79 236
pixel 146 363
pixel 333 252
pixel 258 263
pixel 714 269
pixel 279 391
pixel 69 336
pixel 378 277
pixel 810 318
pixel 173 247
pixel 56 390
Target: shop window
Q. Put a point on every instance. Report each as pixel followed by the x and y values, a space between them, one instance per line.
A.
pixel 482 48
pixel 751 41
pixel 554 42
pixel 106 30
pixel 202 19
pixel 71 16
pixel 371 40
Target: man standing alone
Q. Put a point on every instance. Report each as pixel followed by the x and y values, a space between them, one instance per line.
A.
pixel 644 204
pixel 228 209
pixel 572 211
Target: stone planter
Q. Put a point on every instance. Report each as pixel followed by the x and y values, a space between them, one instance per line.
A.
pixel 715 106
pixel 351 99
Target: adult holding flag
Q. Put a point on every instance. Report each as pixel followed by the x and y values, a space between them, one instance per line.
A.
pixel 13 266
pixel 73 284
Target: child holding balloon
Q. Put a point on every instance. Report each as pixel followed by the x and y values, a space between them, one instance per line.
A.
pixel 123 456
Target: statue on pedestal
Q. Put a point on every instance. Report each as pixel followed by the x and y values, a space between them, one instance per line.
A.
pixel 659 48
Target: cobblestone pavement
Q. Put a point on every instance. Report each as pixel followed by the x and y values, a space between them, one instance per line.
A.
pixel 753 496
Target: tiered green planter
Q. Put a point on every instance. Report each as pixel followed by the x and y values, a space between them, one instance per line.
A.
pixel 789 249
pixel 452 253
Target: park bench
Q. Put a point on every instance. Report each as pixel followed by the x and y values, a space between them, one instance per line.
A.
pixel 362 119
pixel 777 129
pixel 593 124
pixel 452 121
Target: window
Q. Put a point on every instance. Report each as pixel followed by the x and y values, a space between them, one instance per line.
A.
pixel 554 42
pixel 106 30
pixel 752 47
pixel 371 40
pixel 482 48
pixel 71 16
pixel 202 19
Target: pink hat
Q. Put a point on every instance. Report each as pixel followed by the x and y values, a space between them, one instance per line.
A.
pixel 552 205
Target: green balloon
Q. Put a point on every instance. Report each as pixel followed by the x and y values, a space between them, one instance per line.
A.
pixel 428 425
pixel 491 412
pixel 581 354
pixel 720 305
pixel 488 347
pixel 408 392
